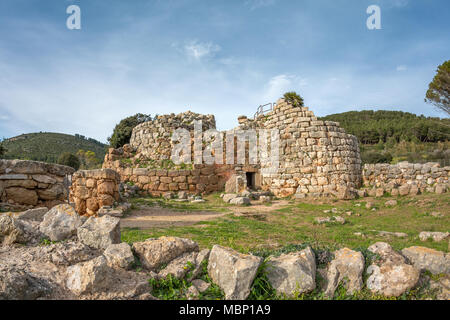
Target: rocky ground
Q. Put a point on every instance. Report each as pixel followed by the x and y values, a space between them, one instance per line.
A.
pixel 57 254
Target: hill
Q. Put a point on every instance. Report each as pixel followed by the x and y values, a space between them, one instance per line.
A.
pixel 392 136
pixel 48 146
pixel 371 127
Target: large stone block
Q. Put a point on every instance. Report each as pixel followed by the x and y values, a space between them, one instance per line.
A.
pixel 232 271
pixel 100 233
pixel 22 196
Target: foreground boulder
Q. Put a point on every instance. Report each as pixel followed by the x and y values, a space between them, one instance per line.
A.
pixel 119 256
pixel 390 275
pixel 436 236
pixel 60 223
pixel 13 230
pixel 347 267
pixel 188 264
pixel 240 201
pixel 180 266
pixel 293 273
pixel 17 284
pixel 428 259
pixel 67 253
pixel 88 277
pixel 36 214
pixel 101 232
pixel 232 271
pixel 153 253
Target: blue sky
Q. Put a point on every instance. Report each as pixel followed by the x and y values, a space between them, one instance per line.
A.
pixel 211 56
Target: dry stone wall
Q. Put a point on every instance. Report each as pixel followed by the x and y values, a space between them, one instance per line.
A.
pixel 152 139
pixel 405 178
pixel 32 183
pixel 317 158
pixel 94 189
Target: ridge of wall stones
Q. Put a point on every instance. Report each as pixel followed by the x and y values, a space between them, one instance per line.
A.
pixel 32 183
pixel 406 178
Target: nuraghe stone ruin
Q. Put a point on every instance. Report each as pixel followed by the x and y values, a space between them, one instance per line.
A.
pixel 316 158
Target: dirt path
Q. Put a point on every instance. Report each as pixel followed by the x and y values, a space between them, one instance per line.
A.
pixel 152 217
pixel 158 217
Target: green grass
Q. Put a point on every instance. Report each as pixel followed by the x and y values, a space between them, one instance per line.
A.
pixel 294 224
pixel 213 203
pixel 292 228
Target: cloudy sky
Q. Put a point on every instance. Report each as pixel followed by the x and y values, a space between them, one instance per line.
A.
pixel 224 57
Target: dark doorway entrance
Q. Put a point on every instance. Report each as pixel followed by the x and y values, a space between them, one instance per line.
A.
pixel 250 180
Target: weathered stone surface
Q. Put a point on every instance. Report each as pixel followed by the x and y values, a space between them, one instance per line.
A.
pixel 390 203
pixel 406 178
pixel 56 191
pixel 347 267
pixel 88 277
pixel 392 279
pixel 94 189
pixel 345 193
pixel 436 236
pixel 232 271
pixel 442 286
pixel 293 273
pixel 155 252
pixel 201 285
pixel 201 257
pixel 13 230
pixel 240 201
pixel 67 253
pixel 390 276
pixel 60 223
pixel 30 183
pixel 229 196
pixel 100 233
pixel 22 196
pixel 428 259
pixel 36 214
pixel 192 293
pixel 119 256
pixel 335 219
pixel 16 284
pixel 392 234
pixel 180 266
pixel 386 253
pixel 235 184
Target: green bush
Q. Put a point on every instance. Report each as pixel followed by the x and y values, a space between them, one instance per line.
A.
pixel 123 130
pixel 293 98
pixel 376 157
pixel 2 149
pixel 69 159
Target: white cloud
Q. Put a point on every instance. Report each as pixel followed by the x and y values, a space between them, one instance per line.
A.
pixel 280 84
pixel 199 50
pixel 400 3
pixel 401 68
pixel 395 3
pixel 255 4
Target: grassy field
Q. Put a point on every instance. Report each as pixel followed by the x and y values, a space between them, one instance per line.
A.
pixel 292 227
pixel 295 224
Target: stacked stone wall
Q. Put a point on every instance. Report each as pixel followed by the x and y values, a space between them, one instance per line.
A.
pixel 317 158
pixel 93 189
pixel 152 139
pixel 32 183
pixel 405 178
